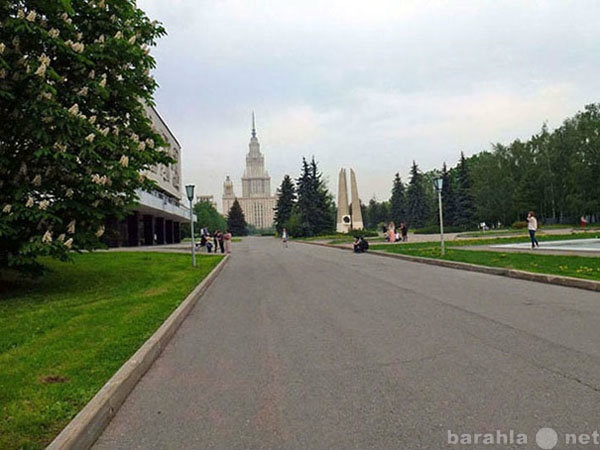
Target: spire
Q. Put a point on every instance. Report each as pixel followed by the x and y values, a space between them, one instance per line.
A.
pixel 253 126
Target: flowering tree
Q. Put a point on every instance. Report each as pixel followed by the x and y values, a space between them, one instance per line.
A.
pixel 74 136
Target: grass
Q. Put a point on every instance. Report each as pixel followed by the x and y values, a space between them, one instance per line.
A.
pixel 563 265
pixel 64 335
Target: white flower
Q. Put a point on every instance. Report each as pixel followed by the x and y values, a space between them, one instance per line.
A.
pixel 92 119
pixel 53 33
pixel 102 82
pixel 61 238
pixel 41 70
pixel 2 47
pixel 6 208
pixel 37 180
pixel 44 59
pixel 30 202
pixel 90 137
pixel 69 242
pixel 60 147
pixel 47 238
pixel 44 204
pixel 124 161
pixel 131 40
pixel 31 16
pixel 92 74
pixel 150 142
pixel 135 137
pixel 71 227
pixel 101 4
pixel 142 146
pixel 21 14
pixel 105 131
pixel 118 35
pixel 74 109
pixel 83 91
pixel 46 95
pixel 115 131
pixel 79 36
pixel 113 18
pixel 100 231
pixel 69 193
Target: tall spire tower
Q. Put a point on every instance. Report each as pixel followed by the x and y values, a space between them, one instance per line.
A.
pixel 256 201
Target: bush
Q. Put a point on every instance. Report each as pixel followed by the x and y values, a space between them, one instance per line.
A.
pixel 521 224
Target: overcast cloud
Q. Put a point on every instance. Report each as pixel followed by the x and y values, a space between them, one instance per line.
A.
pixel 368 85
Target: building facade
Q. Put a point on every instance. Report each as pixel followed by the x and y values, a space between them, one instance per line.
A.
pixel 256 201
pixel 157 218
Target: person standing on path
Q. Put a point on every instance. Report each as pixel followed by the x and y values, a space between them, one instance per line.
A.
pixel 219 241
pixel 532 226
pixel 227 238
pixel 284 237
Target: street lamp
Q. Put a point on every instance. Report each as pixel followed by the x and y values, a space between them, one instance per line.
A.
pixel 189 190
pixel 439 184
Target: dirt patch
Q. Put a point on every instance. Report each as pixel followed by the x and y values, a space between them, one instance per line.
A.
pixel 53 379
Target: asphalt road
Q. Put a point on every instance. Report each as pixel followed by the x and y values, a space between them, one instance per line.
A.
pixel 316 348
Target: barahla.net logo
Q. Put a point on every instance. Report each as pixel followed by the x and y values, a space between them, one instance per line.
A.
pixel 545 438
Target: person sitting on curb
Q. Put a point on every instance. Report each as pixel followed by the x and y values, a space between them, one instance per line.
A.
pixel 360 244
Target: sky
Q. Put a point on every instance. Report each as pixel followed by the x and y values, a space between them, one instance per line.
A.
pixel 369 85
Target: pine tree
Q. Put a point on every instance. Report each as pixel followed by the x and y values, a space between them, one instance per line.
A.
pixel 418 208
pixel 236 221
pixel 285 203
pixel 398 204
pixel 315 208
pixel 464 206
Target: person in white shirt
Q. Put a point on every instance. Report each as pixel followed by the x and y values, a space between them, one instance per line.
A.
pixel 532 226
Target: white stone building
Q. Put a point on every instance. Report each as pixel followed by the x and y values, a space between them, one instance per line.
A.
pixel 256 201
pixel 157 218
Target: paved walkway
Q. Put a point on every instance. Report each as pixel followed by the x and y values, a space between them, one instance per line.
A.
pixel 309 347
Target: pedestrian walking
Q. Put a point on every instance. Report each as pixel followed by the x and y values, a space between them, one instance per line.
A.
pixel 227 237
pixel 532 226
pixel 219 241
pixel 284 237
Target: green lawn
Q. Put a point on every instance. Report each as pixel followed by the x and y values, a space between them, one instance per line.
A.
pixel 64 335
pixel 564 265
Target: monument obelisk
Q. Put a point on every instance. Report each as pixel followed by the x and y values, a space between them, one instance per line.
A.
pixel 357 221
pixel 343 213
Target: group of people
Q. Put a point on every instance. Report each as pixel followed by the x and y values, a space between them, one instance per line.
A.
pixel 218 241
pixel 392 234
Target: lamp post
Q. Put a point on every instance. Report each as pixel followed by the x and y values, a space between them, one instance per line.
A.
pixel 189 190
pixel 439 184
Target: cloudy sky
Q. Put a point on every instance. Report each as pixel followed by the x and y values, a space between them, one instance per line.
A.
pixel 371 85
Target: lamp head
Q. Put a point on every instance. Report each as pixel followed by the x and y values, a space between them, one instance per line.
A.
pixel 438 183
pixel 189 190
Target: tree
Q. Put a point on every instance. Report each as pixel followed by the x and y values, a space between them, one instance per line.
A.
pixel 418 208
pixel 447 196
pixel 236 221
pixel 464 205
pixel 315 207
pixel 74 136
pixel 209 217
pixel 398 201
pixel 285 203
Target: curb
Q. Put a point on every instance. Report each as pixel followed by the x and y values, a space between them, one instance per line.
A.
pixel 579 283
pixel 90 422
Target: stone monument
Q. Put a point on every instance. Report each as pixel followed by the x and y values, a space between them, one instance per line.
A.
pixel 347 221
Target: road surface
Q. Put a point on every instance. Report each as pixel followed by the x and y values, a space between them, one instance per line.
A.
pixel 309 347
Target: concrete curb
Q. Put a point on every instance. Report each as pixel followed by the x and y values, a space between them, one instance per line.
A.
pixel 88 425
pixel 579 283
